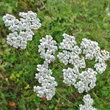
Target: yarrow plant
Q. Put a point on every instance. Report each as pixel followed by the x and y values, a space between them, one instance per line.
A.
pixel 92 50
pixel 71 54
pixel 21 29
pixel 88 102
pixel 47 50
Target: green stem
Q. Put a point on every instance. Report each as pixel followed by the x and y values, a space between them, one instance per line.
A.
pixel 95 22
pixel 65 99
pixel 72 94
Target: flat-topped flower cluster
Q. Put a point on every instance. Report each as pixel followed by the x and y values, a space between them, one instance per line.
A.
pixel 47 50
pixel 88 102
pixel 92 50
pixel 21 29
pixel 86 78
pixel 47 88
pixel 71 55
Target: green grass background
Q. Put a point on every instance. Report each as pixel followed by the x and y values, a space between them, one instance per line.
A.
pixel 81 18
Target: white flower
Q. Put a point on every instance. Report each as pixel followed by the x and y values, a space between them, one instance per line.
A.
pixel 47 48
pixel 69 76
pixel 88 102
pixel 68 42
pixel 73 54
pixel 47 82
pixel 21 27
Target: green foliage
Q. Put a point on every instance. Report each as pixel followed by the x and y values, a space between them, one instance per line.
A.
pixel 17 67
pixel 22 103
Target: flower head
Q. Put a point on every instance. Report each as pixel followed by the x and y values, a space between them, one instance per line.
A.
pixel 22 29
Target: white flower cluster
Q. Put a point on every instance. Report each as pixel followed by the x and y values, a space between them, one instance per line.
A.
pixel 86 78
pixel 71 53
pixel 69 76
pixel 92 50
pixel 88 102
pixel 22 29
pixel 46 48
pixel 68 42
pixel 48 83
